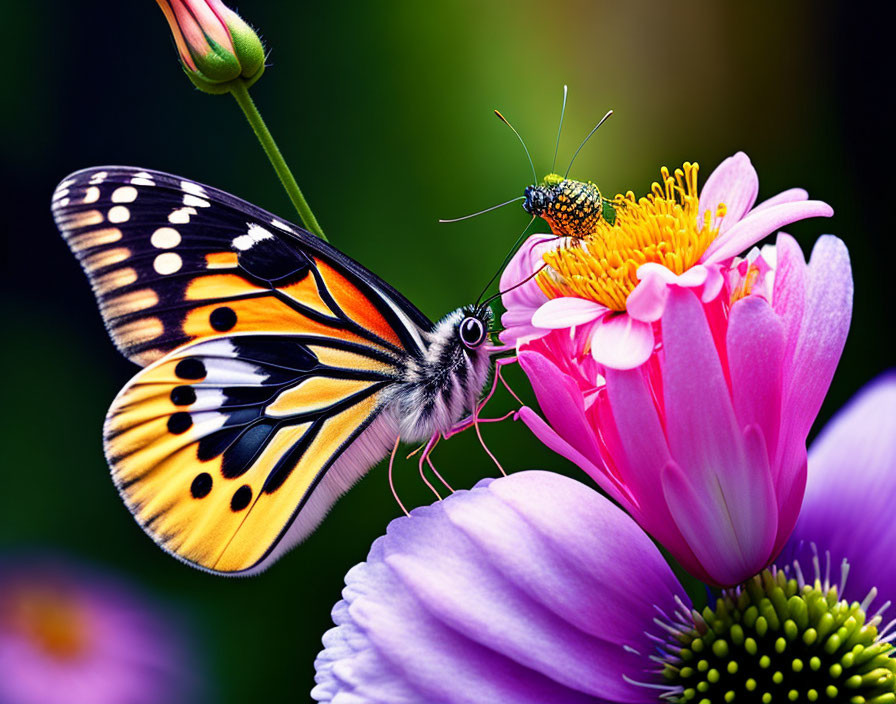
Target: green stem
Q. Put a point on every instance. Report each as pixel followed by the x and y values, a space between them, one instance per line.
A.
pixel 241 93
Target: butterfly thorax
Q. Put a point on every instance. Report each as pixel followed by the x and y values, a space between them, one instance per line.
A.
pixel 443 384
pixel 571 208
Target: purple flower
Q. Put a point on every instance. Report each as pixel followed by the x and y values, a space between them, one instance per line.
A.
pixel 534 588
pixel 69 637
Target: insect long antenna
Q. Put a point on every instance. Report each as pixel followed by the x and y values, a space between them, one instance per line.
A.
pixel 504 263
pixel 528 156
pixel 559 130
pixel 584 141
pixel 516 285
pixel 487 210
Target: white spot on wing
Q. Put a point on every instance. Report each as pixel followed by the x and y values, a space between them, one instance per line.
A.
pixel 165 238
pixel 142 178
pixel 181 216
pixel 60 193
pixel 98 177
pixel 255 234
pixel 119 213
pixel 91 195
pixel 124 194
pixel 167 263
pixel 281 225
pixel 191 200
pixel 193 188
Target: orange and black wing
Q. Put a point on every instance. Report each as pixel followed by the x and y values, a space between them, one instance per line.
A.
pixel 271 360
pixel 172 261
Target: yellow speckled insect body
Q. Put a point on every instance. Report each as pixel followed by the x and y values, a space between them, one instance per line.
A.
pixel 571 208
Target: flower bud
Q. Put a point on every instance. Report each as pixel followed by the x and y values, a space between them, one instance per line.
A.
pixel 216 46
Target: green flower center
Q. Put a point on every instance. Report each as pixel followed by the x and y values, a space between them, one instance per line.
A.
pixel 776 639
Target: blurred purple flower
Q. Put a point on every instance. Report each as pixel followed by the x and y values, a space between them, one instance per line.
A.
pixel 534 588
pixel 72 637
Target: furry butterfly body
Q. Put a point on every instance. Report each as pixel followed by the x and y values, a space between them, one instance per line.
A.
pixel 277 369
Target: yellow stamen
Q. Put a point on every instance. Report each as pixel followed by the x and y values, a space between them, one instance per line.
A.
pixel 661 227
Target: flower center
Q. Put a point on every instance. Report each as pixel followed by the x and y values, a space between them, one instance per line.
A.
pixel 779 639
pixel 50 620
pixel 661 227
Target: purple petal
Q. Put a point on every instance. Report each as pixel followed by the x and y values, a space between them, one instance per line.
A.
pixel 524 589
pixel 621 342
pixel 734 183
pixel 757 225
pixel 567 312
pixel 851 491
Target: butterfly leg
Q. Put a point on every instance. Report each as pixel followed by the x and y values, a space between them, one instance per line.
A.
pixel 391 482
pixel 425 456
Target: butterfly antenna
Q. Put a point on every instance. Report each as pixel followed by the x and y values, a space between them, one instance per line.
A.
pixel 584 141
pixel 528 156
pixel 516 285
pixel 487 210
pixel 559 130
pixel 504 263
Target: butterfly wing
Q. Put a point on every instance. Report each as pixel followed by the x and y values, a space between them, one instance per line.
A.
pixel 271 358
pixel 172 261
pixel 227 450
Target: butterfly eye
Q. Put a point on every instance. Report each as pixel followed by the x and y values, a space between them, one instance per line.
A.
pixel 472 332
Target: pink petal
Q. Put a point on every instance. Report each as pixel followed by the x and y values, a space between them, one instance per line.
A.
pixel 708 447
pixel 567 312
pixel 789 290
pixel 822 334
pixel 648 301
pixel 561 401
pixel 755 344
pixel 703 525
pixel 554 442
pixel 621 342
pixel 734 183
pixel 715 281
pixel 789 196
pixel 755 226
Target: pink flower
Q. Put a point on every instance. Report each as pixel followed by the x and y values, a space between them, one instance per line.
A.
pixel 705 444
pixel 617 282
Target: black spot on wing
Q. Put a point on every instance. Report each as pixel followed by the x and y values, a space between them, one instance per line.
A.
pixel 201 486
pixel 273 261
pixel 239 456
pixel 241 498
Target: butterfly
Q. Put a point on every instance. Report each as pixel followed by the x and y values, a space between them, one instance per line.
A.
pixel 277 370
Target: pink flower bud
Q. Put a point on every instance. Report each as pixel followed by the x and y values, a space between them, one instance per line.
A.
pixel 215 45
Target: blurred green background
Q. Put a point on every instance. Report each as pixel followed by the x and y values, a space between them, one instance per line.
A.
pixel 384 112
